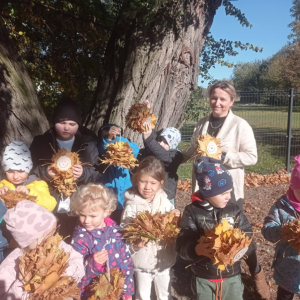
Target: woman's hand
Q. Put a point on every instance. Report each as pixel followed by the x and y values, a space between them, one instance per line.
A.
pixel 139 246
pixel 176 212
pixel 3 190
pixel 51 172
pixel 23 189
pixel 204 249
pixel 148 130
pixel 101 257
pixel 77 171
pixel 113 132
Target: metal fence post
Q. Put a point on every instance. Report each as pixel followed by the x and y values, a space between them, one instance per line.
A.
pixel 289 130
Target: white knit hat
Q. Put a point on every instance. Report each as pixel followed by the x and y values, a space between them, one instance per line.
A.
pixel 17 156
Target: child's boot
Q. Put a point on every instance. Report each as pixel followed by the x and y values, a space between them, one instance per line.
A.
pixel 261 284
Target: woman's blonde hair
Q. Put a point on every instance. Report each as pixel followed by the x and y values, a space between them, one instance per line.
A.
pixel 226 86
pixel 151 166
pixel 93 197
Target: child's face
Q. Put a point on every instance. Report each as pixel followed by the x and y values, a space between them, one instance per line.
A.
pixel 148 186
pixel 297 194
pixel 66 130
pixel 91 219
pixel 221 200
pixel 162 141
pixel 16 177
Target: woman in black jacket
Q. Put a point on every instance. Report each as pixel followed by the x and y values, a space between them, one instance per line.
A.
pixel 69 134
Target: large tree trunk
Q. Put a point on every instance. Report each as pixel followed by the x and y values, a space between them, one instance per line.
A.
pixel 21 115
pixel 162 67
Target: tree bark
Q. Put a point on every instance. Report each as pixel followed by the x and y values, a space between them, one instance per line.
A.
pixel 161 67
pixel 21 115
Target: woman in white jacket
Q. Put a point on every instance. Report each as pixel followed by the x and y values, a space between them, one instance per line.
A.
pixel 152 262
pixel 238 150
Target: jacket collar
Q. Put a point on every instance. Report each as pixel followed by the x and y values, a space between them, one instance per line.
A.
pixel 203 203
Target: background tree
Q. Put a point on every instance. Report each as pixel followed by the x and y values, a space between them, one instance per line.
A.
pixel 21 115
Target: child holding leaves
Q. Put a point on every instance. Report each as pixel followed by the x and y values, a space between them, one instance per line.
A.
pixel 209 206
pixel 98 238
pixel 151 261
pixel 286 259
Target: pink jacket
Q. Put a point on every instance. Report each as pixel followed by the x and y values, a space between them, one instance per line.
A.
pixel 11 286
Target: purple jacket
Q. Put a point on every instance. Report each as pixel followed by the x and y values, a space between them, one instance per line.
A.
pixel 109 238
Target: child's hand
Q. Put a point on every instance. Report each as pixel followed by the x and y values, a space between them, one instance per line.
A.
pixel 176 212
pixel 148 130
pixel 77 171
pixel 3 190
pixel 113 132
pixel 101 257
pixel 51 172
pixel 23 189
pixel 139 246
pixel 204 249
pixel 147 103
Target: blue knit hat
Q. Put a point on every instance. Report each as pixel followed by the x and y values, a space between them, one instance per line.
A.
pixel 212 177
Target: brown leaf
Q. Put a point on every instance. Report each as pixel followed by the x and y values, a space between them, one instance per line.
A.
pixel 11 198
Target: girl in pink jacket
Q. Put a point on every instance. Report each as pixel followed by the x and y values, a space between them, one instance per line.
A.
pixel 29 225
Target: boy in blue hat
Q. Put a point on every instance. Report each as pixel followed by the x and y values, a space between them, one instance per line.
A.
pixel 209 206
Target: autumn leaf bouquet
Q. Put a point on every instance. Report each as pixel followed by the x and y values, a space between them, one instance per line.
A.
pixel 41 272
pixel 290 232
pixel 209 146
pixel 137 115
pixel 11 198
pixel 62 163
pixel 229 244
pixel 108 286
pixel 147 227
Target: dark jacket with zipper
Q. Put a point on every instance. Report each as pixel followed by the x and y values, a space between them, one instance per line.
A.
pixel 171 159
pixel 85 144
pixel 197 217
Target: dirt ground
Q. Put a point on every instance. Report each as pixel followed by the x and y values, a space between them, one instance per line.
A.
pixel 257 204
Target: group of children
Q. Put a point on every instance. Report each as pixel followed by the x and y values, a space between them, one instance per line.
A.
pixel 96 244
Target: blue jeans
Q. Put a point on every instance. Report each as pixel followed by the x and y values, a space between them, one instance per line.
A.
pixel 172 201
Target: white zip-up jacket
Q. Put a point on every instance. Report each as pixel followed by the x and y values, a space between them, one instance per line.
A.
pixel 153 257
pixel 237 140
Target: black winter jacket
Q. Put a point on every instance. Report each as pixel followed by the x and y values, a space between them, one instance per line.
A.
pixel 171 159
pixel 42 152
pixel 194 220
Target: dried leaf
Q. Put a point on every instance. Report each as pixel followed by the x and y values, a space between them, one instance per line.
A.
pixel 157 227
pixel 254 179
pixel 226 243
pixel 290 232
pixel 137 115
pixel 104 289
pixel 184 185
pixel 119 154
pixel 11 198
pixel 41 271
pixel 209 146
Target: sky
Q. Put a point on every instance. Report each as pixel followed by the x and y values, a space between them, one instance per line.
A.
pixel 270 19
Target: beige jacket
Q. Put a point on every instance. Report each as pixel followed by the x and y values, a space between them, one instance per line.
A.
pixel 237 140
pixel 152 257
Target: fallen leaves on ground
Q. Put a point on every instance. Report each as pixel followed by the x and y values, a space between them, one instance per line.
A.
pixel 11 198
pixel 119 154
pixel 105 289
pixel 146 227
pixel 64 180
pixel 254 179
pixel 41 269
pixel 209 146
pixel 290 232
pixel 184 185
pixel 226 243
pixel 137 115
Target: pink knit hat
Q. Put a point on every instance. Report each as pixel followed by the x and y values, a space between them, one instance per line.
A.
pixel 28 221
pixel 295 176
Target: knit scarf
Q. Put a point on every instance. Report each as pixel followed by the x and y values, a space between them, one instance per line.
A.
pixel 204 203
pixel 291 196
